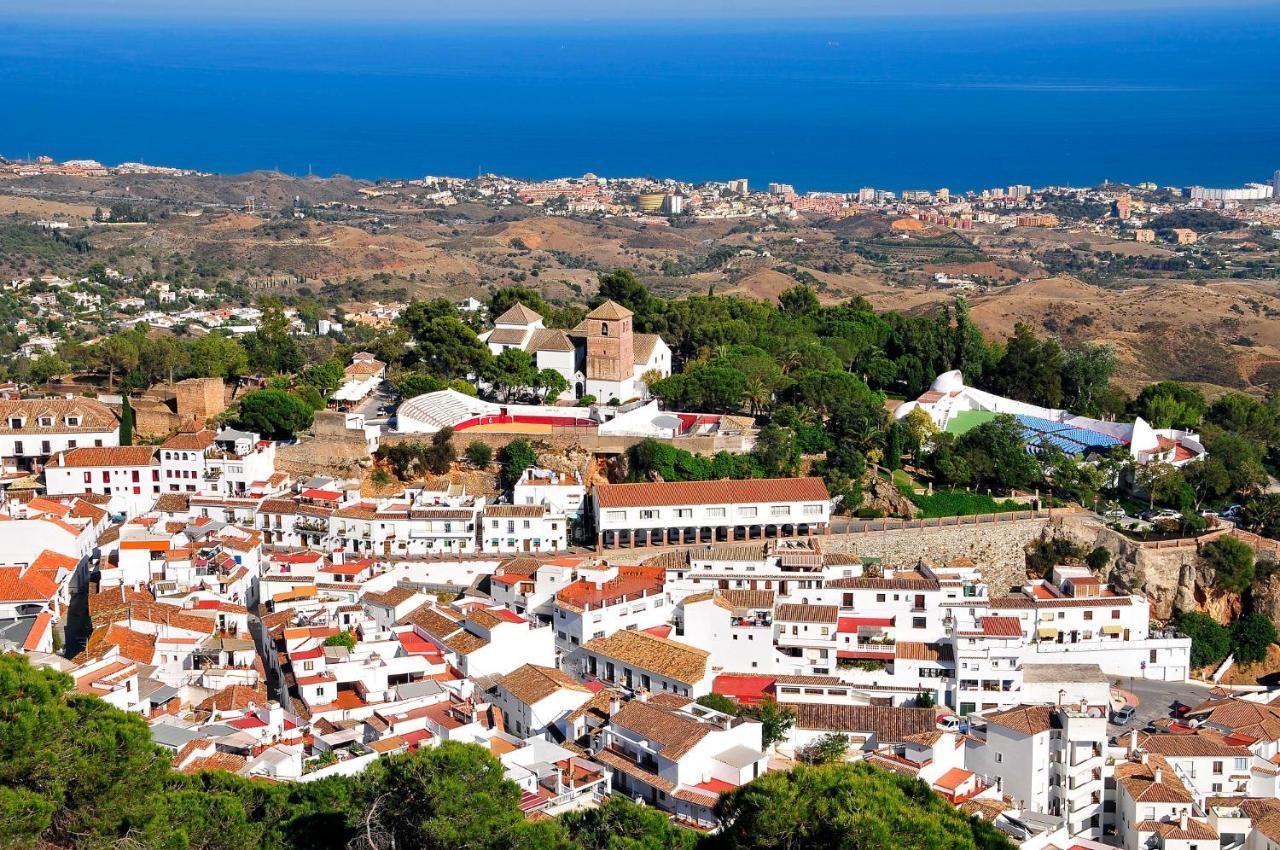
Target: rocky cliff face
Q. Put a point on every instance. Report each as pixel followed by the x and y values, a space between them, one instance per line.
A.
pixel 1171 579
pixel 1266 597
pixel 881 495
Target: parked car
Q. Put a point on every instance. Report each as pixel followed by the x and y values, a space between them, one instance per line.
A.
pixel 1115 513
pixel 1122 716
pixel 1232 512
pixel 950 723
pixel 1180 709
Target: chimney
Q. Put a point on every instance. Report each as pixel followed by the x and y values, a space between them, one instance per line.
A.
pixel 1159 775
pixel 1182 820
pixel 1133 740
pixel 642 695
pixel 275 717
pixel 614 705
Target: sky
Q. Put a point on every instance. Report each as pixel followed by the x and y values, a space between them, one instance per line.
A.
pixel 551 10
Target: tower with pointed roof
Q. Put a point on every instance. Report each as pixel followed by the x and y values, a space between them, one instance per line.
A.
pixel 610 345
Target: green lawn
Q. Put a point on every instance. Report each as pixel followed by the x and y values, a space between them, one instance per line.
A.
pixel 962 422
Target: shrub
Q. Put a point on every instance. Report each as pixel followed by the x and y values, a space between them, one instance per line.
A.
pixel 1232 563
pixel 827 749
pixel 1099 558
pixel 1250 637
pixel 961 503
pixel 1210 640
pixel 479 454
pixel 341 639
pixel 718 702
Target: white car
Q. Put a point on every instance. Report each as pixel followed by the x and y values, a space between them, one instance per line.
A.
pixel 948 723
pixel 1115 513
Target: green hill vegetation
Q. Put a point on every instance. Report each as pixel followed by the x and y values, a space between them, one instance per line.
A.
pixel 78 773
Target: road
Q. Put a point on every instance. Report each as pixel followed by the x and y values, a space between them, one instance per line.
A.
pixel 1156 700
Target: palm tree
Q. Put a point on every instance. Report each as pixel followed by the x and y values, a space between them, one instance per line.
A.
pixel 790 361
pixel 757 394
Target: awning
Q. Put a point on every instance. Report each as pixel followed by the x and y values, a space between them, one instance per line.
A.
pixel 1112 630
pixel 852 624
pixel 1047 634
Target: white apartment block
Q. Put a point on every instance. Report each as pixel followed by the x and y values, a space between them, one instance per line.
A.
pixel 680 760
pixel 563 494
pixel 638 661
pixel 1048 759
pixel 228 463
pixel 709 511
pixel 522 528
pixel 33 430
pixel 608 599
pixel 128 475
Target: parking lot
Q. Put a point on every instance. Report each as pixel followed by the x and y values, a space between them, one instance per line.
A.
pixel 1156 699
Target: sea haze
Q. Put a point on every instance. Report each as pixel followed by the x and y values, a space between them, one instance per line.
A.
pixel 1183 97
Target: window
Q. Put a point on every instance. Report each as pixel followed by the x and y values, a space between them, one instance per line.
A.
pixel 604 329
pixel 880 597
pixel 649 513
pixel 17 447
pixel 746 512
pixel 917 622
pixel 46 421
pixel 779 510
pixel 1217 768
pixel 615 516
pixel 813 510
pixel 684 513
pixel 715 512
pixel 17 421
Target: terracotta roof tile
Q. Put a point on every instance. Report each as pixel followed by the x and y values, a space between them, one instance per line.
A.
pixel 753 490
pixel 672 659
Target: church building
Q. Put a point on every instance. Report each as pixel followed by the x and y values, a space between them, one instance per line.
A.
pixel 603 356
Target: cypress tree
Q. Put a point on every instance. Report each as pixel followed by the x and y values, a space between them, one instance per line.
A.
pixel 126 423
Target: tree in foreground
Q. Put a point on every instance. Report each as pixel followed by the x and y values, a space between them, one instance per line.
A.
pixel 619 824
pixel 850 807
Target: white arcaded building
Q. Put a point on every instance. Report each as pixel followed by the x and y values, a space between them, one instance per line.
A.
pixel 955 407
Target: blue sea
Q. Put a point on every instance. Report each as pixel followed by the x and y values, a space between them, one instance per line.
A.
pixel 1178 98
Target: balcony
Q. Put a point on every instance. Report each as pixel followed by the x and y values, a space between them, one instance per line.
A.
pixel 311 526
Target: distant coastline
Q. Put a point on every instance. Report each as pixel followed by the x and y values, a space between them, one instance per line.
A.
pixel 1060 100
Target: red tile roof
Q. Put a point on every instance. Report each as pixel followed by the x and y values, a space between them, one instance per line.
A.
pixel 108 456
pixel 754 490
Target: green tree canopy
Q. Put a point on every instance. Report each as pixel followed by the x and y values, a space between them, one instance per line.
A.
pixel 1251 636
pixel 275 414
pixel 1232 563
pixel 1210 640
pixel 515 457
pixel 1168 404
pixel 845 807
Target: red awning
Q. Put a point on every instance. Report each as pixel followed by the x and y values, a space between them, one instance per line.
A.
pixel 852 624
